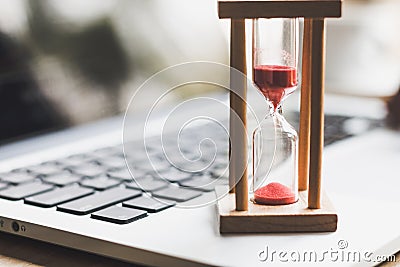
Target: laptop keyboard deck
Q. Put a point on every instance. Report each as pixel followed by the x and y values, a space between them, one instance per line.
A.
pixel 99 183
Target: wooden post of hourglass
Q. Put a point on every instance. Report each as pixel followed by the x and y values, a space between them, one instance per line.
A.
pixel 312 213
pixel 317 111
pixel 311 111
pixel 305 109
pixel 237 123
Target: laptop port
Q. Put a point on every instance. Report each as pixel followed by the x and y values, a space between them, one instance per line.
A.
pixel 15 226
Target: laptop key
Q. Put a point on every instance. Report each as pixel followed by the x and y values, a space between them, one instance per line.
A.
pixel 201 183
pixel 45 169
pixel 123 174
pixel 148 204
pixel 220 173
pixel 100 183
pixel 52 162
pixel 17 177
pixel 98 201
pixel 3 185
pixel 108 151
pixel 75 160
pixel 89 169
pixel 220 161
pixel 23 169
pixel 147 184
pixel 25 190
pixel 112 162
pixel 177 194
pixel 152 164
pixel 120 215
pixel 173 175
pixel 62 179
pixel 58 196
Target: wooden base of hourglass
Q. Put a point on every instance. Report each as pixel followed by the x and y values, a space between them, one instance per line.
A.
pixel 293 218
pixel 313 212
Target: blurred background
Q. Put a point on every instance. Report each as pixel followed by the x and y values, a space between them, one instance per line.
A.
pixel 67 62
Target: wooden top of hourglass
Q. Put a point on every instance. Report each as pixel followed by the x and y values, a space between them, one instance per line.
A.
pixel 239 9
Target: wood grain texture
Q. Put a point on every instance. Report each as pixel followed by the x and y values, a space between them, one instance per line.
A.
pixel 275 219
pixel 317 112
pixel 279 8
pixel 305 109
pixel 238 118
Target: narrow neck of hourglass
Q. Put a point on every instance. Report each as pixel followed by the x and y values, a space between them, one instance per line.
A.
pixel 272 110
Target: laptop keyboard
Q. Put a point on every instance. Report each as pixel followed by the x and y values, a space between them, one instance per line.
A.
pixel 98 182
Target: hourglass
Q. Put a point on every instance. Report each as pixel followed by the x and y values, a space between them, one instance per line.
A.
pixel 285 193
pixel 275 52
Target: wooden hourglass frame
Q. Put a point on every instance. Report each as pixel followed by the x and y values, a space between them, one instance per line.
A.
pixel 312 212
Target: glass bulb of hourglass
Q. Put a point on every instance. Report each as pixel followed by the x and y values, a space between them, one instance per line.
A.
pixel 275 82
pixel 275 140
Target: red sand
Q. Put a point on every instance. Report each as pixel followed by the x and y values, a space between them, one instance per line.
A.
pixel 274 194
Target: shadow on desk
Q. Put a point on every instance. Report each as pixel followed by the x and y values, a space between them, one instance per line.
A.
pixel 19 251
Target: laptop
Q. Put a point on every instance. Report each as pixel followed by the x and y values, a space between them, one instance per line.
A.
pixel 139 186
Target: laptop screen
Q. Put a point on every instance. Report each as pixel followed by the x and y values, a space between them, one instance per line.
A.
pixel 64 63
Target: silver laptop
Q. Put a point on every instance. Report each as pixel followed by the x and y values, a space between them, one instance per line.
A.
pixel 137 183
